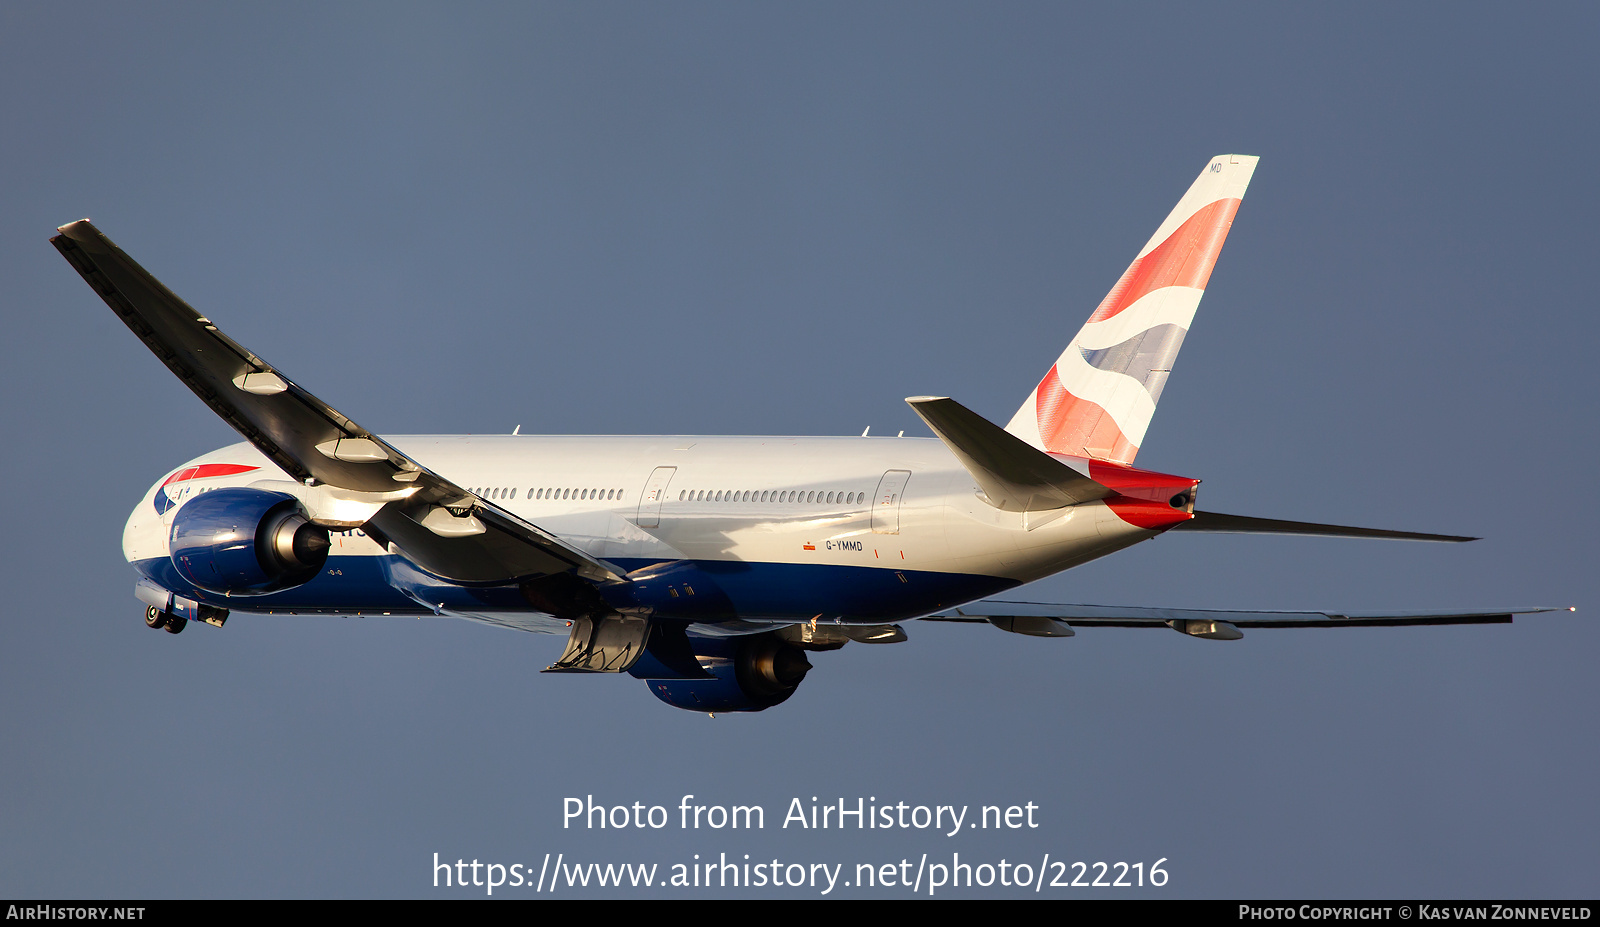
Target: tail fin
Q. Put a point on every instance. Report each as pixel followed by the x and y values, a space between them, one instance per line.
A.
pixel 1098 398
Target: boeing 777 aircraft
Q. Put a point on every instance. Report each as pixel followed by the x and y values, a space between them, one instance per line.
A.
pixel 707 566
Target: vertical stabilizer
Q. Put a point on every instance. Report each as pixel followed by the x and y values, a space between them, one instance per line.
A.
pixel 1098 398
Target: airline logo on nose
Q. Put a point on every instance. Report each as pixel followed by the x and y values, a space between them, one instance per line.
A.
pixel 167 494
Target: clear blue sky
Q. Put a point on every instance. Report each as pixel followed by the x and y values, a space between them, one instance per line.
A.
pixel 760 218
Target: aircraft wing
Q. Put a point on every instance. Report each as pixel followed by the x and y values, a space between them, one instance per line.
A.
pixel 441 527
pixel 1034 614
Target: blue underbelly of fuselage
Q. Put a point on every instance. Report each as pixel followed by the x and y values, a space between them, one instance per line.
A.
pixel 683 590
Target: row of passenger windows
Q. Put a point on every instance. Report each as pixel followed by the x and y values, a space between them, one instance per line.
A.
pixel 750 495
pixel 510 492
pixel 685 495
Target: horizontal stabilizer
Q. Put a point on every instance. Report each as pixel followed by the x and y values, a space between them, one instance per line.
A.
pixel 1244 524
pixel 1124 616
pixel 1015 476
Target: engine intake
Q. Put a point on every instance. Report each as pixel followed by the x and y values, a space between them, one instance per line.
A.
pixel 246 542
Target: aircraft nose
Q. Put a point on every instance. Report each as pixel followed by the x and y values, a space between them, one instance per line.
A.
pixel 144 534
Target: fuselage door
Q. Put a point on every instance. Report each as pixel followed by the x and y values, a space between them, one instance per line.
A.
pixel 655 493
pixel 886 504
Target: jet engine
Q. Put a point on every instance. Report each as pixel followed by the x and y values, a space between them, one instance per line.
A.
pixel 246 542
pixel 751 673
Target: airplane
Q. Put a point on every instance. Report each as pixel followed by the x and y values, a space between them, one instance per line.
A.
pixel 709 567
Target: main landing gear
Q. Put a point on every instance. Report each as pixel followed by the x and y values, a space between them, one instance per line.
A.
pixel 156 618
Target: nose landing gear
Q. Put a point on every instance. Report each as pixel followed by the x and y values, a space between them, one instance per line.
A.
pixel 156 618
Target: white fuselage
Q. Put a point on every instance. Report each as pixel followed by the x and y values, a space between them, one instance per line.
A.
pixel 785 505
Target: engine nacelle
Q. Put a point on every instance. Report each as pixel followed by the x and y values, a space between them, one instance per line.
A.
pixel 752 673
pixel 246 542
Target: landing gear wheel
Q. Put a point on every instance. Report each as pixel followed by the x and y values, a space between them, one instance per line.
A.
pixel 155 618
pixel 175 625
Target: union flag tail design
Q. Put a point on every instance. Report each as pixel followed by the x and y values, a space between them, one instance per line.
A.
pixel 1097 400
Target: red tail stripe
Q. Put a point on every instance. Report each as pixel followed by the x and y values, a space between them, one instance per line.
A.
pixel 1140 484
pixel 1143 496
pixel 1073 426
pixel 1143 513
pixel 1186 258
